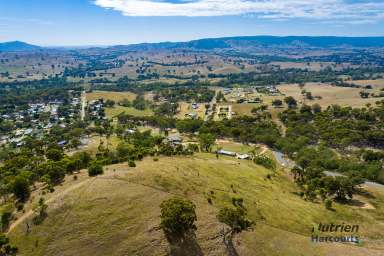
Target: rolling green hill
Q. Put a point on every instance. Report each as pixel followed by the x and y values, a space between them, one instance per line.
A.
pixel 118 213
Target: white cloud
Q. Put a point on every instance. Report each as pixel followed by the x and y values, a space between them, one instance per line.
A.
pixel 369 10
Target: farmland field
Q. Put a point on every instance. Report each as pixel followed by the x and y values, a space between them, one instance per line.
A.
pixel 343 96
pixel 114 111
pixel 116 96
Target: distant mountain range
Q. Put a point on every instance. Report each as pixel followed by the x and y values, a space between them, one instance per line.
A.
pixel 233 42
pixel 17 46
pixel 265 41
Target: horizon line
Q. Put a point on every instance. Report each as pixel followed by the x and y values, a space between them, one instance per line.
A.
pixel 180 41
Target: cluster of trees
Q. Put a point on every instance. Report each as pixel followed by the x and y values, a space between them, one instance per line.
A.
pixel 167 109
pixel 134 147
pixel 189 94
pixel 265 161
pixel 19 93
pixel 178 63
pixel 178 217
pixel 92 65
pixel 309 174
pixel 244 129
pixel 20 170
pixel 139 102
pixel 339 128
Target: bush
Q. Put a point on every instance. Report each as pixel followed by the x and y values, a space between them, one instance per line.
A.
pixel 328 203
pixel 265 161
pixel 131 164
pixel 5 248
pixel 95 169
pixel 178 216
pixel 5 219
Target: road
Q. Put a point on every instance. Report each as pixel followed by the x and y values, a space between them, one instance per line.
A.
pixel 83 105
pixel 290 164
pixel 280 157
pixel 366 183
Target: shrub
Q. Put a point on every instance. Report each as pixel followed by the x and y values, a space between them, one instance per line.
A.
pixel 95 169
pixel 131 163
pixel 265 161
pixel 5 248
pixel 328 203
pixel 5 219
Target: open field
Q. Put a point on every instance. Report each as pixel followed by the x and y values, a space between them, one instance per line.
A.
pixel 186 108
pixel 118 213
pixel 342 96
pixel 233 146
pixel 116 96
pixel 94 141
pixel 112 112
pixel 376 84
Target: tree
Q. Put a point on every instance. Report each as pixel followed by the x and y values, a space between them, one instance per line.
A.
pixel 53 172
pixel 236 219
pixel 364 95
pixel 167 109
pixel 291 102
pixel 110 103
pixel 54 154
pixel 277 103
pixel 21 188
pixel 316 108
pixel 5 219
pixel 41 212
pixel 5 248
pixel 309 95
pixel 125 150
pixel 95 169
pixel 178 216
pixel 139 103
pixel 206 141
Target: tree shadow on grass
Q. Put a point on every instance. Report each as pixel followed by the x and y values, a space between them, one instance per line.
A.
pixel 231 250
pixel 184 246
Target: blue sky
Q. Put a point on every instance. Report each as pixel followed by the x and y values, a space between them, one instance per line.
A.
pixel 108 22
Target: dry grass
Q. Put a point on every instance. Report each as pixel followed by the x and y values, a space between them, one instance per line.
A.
pixel 331 95
pixel 376 84
pixel 186 108
pixel 118 213
pixel 116 110
pixel 116 96
pixel 94 142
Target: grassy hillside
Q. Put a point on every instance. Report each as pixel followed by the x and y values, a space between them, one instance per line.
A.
pixel 118 213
